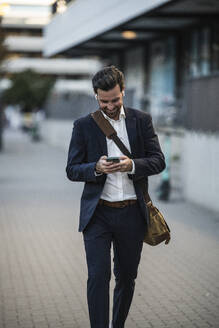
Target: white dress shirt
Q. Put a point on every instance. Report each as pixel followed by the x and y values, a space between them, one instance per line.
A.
pixel 118 186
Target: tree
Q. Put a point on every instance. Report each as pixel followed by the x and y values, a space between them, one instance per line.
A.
pixel 28 89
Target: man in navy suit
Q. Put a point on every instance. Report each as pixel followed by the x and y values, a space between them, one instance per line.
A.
pixel 113 211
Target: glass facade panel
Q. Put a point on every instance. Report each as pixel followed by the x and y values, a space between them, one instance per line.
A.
pixel 205 52
pixel 215 48
pixel 199 54
pixel 162 80
pixel 194 54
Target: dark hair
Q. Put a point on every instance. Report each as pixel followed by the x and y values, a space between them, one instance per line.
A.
pixel 107 78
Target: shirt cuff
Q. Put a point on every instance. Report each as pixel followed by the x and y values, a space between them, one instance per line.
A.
pixel 133 168
pixel 97 174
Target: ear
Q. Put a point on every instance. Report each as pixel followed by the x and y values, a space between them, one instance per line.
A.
pixel 123 93
pixel 95 95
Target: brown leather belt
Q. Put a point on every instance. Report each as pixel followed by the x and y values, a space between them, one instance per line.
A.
pixel 119 204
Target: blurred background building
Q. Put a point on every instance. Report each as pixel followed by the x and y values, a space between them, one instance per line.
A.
pixel 169 52
pixel 22 23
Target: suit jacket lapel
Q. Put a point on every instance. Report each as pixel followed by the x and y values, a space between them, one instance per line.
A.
pixel 100 137
pixel 131 130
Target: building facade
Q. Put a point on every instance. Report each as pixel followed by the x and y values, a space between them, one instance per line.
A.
pixel 169 52
pixel 23 22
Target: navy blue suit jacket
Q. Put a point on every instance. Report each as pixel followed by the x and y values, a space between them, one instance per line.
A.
pixel 88 144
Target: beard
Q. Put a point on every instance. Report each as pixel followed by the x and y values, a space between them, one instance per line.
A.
pixel 112 113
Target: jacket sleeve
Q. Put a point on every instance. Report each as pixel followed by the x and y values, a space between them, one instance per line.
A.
pixel 78 169
pixel 153 162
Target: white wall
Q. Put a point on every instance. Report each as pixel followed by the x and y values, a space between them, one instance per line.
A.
pixel 200 156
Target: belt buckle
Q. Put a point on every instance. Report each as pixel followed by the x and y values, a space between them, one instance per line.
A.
pixel 122 204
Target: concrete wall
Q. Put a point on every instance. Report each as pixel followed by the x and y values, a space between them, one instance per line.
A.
pixel 194 167
pixel 201 103
pixel 70 106
pixel 172 148
pixel 200 156
pixel 57 132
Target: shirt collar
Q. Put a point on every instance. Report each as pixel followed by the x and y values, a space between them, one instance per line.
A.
pixel 121 115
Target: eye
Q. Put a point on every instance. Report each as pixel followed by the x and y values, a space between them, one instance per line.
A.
pixel 115 100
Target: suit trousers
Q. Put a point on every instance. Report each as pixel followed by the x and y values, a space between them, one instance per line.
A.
pixel 124 228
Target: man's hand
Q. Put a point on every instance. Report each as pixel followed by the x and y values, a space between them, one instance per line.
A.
pixel 102 166
pixel 125 164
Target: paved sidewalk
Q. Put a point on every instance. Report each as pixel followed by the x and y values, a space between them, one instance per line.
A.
pixel 42 264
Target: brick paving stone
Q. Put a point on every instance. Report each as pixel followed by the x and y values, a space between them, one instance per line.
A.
pixel 42 260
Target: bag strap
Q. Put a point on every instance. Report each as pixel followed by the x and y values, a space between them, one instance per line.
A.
pixel 111 133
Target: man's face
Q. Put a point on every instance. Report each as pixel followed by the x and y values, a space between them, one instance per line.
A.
pixel 110 101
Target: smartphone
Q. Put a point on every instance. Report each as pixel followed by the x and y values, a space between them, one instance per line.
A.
pixel 113 159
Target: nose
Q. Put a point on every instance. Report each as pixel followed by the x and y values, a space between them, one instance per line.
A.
pixel 110 106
